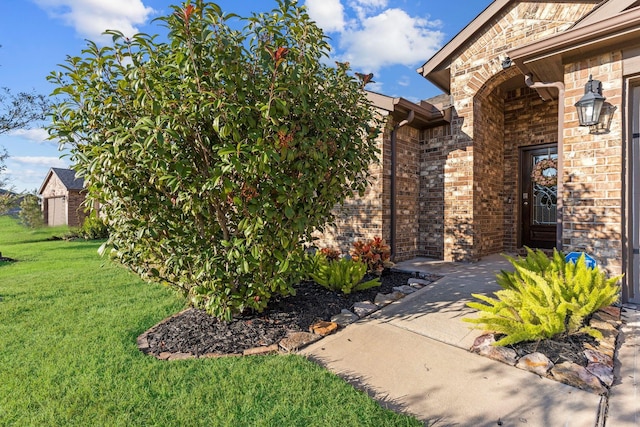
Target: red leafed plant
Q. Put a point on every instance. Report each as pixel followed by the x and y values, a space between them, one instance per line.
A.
pixel 331 254
pixel 375 253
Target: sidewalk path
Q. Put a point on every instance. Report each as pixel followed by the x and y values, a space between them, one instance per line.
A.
pixel 412 357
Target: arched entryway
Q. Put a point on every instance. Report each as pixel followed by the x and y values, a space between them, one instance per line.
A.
pixel 514 130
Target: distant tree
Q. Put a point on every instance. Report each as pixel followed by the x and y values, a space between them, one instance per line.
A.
pixel 19 110
pixel 30 212
pixel 215 156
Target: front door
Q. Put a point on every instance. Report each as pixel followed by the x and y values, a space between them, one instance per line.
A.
pixel 538 196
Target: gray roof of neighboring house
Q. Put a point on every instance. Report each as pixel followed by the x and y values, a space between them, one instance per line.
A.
pixel 67 177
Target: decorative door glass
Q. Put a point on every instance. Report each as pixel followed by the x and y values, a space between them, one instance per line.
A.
pixel 544 195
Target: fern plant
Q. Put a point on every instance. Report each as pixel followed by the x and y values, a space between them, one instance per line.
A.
pixel 544 297
pixel 344 275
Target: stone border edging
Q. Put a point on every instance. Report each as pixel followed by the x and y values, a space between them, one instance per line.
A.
pixel 597 377
pixel 296 340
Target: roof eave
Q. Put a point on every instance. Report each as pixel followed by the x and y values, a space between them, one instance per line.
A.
pixel 544 59
pixel 425 114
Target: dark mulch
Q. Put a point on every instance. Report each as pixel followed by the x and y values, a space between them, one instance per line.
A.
pixel 195 332
pixel 559 349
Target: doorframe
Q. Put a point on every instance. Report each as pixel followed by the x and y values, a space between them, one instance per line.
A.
pixel 630 289
pixel 519 211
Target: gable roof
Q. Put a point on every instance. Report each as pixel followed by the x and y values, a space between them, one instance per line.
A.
pixel 614 23
pixel 66 176
pixel 421 115
pixel 437 69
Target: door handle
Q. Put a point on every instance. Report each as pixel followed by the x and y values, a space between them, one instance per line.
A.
pixel 525 203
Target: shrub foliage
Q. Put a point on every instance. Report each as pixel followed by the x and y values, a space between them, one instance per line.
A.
pixel 545 297
pixel 215 155
pixel 344 274
pixel 375 253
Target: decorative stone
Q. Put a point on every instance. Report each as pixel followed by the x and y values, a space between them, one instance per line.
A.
pixel 273 348
pixel 602 325
pixel 577 376
pixel 483 341
pixel 297 340
pixel 323 328
pixel 180 356
pixel 594 356
pixel 484 346
pixel 602 371
pixel 143 343
pixel 405 289
pixel 536 362
pixel 165 355
pixel 606 317
pixel 413 281
pixel 611 310
pixel 429 276
pixel 608 351
pixel 608 338
pixel 386 299
pixel 364 308
pixel 343 319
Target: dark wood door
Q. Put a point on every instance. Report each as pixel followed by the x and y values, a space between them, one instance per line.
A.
pixel 538 198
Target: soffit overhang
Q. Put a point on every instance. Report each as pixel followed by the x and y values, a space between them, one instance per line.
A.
pixel 545 59
pixel 424 114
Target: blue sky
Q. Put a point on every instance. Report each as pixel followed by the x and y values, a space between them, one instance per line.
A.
pixel 390 38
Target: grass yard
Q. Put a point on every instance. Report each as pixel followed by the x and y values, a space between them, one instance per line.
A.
pixel 68 357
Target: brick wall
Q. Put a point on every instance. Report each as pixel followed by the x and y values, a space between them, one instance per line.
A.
pixel 593 167
pixel 470 165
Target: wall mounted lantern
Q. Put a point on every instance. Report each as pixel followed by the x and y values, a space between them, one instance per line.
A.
pixel 590 104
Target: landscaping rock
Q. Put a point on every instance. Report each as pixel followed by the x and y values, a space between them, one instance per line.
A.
pixel 602 325
pixel 364 308
pixel 577 376
pixel 602 371
pixel 405 289
pixel 345 318
pixel 613 311
pixel 594 356
pixel 481 342
pixel 606 317
pixel 413 281
pixel 501 354
pixel 536 362
pixel 274 348
pixel 180 356
pixel 606 350
pixel 386 299
pixel 297 340
pixel 323 328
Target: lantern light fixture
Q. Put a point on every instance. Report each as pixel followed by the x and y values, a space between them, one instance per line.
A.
pixel 590 105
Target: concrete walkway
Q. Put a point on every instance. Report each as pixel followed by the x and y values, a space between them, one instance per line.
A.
pixel 412 357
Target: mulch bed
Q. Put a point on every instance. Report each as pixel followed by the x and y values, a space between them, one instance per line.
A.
pixel 559 349
pixel 193 331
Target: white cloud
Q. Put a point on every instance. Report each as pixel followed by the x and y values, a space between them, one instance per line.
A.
pixel 366 7
pixel 54 162
pixel 404 81
pixel 328 14
pixel 91 18
pixel 390 38
pixel 37 135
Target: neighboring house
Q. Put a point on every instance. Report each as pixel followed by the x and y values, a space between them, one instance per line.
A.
pixel 63 198
pixel 466 174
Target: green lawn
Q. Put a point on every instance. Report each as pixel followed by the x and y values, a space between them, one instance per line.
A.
pixel 68 357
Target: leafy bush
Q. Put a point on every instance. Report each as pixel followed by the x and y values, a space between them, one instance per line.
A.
pixel 344 275
pixel 545 297
pixel 30 214
pixel 93 227
pixel 216 154
pixel 374 253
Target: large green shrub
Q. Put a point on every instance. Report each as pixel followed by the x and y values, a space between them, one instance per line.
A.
pixel 545 297
pixel 215 155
